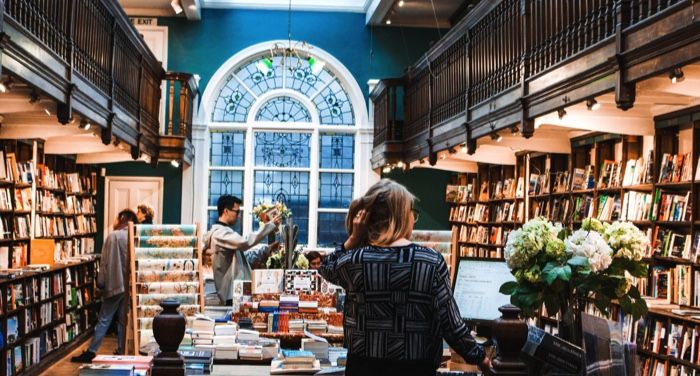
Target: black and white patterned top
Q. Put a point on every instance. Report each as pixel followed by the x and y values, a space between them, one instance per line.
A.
pixel 399 304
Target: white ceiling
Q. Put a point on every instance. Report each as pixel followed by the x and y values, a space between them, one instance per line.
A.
pixel 413 13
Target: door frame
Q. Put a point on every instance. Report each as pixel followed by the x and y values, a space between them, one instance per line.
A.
pixel 106 224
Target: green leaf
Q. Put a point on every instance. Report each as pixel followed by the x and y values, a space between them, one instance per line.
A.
pixel 552 303
pixel 550 276
pixel 508 288
pixel 626 304
pixel 634 292
pixel 565 272
pixel 578 261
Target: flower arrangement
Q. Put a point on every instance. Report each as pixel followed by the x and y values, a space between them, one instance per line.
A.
pixel 559 269
pixel 265 211
pixel 277 261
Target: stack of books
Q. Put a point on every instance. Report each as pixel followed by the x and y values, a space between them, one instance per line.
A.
pixel 296 360
pixel 250 352
pixel 106 369
pixel 289 303
pixel 246 335
pixel 197 362
pixel 141 364
pixel 308 306
pixel 318 348
pixel 202 331
pixel 296 325
pixel 269 306
pixel 316 326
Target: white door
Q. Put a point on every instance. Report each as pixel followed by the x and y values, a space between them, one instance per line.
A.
pixel 156 38
pixel 124 192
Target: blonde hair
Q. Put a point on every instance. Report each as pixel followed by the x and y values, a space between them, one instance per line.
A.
pixel 389 205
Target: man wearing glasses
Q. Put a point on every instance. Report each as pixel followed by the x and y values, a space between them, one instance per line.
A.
pixel 231 253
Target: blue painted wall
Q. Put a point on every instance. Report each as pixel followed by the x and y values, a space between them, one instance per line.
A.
pixel 201 47
pixel 428 185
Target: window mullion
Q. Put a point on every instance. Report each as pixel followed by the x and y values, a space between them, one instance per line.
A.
pixel 248 183
pixel 314 189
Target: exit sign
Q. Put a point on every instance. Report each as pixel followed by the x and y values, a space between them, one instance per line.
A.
pixel 144 21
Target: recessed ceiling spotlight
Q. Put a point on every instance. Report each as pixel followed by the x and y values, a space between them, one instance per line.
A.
pixel 175 163
pixel 388 21
pixel 464 149
pixel 401 3
pixel 85 125
pixel 444 156
pixel 514 130
pixel 592 104
pixel 496 137
pixel 386 169
pixel 452 150
pixel 399 164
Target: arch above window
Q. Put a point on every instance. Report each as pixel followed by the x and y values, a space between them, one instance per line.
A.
pixel 283 109
pixel 249 81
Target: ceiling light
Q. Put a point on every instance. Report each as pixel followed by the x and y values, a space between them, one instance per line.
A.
pixel 561 112
pixel 175 163
pixel 193 7
pixel 676 75
pixel 47 112
pixel 452 150
pixel 316 65
pixel 386 169
pixel 400 164
pixel 3 87
pixel 422 161
pixel 401 3
pixel 264 65
pixel 388 22
pixel 176 6
pixel 496 137
pixel 592 104
pixel 514 130
pixel 85 124
pixel 444 156
pixel 464 149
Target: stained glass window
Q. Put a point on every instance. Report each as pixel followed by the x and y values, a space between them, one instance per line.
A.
pixel 283 109
pixel 331 229
pixel 281 149
pixel 334 107
pixel 258 82
pixel 336 190
pixel 222 182
pixel 227 149
pixel 290 188
pixel 337 151
pixel 233 102
pixel 301 78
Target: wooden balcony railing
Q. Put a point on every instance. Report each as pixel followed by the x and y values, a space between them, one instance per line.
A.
pixel 493 69
pixel 182 93
pixel 87 56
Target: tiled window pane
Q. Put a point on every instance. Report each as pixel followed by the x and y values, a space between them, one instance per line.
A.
pixel 331 229
pixel 335 190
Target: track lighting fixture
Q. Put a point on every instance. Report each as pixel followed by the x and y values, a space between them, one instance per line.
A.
pixel 422 161
pixel 452 150
pixel 561 112
pixel 514 130
pixel 496 137
pixel 388 21
pixel 464 149
pixel 175 163
pixel 84 124
pixel 592 104
pixel 399 164
pixel 386 169
pixel 33 97
pixel 3 87
pixel 176 6
pixel 401 3
pixel 676 75
pixel 444 156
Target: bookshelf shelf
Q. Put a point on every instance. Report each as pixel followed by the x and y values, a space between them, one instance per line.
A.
pixel 609 190
pixel 674 223
pixel 639 187
pixel 675 186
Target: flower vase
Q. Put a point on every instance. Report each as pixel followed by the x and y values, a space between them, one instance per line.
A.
pixel 570 326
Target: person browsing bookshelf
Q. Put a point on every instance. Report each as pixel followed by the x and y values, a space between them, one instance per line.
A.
pixel 111 280
pixel 399 303
pixel 232 253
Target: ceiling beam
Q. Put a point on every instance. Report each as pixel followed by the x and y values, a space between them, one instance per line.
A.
pixel 377 11
pixel 108 157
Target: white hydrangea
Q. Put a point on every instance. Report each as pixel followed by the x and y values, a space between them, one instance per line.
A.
pixel 629 242
pixel 592 245
pixel 524 244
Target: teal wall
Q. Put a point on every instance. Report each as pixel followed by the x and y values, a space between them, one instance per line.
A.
pixel 201 47
pixel 428 185
pixel 172 189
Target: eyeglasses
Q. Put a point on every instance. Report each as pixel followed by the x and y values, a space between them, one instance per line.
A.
pixel 237 211
pixel 416 214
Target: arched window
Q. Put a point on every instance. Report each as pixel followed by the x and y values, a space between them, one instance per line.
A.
pixel 285 133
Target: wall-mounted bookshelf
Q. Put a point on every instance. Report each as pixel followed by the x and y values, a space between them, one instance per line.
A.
pixel 47 212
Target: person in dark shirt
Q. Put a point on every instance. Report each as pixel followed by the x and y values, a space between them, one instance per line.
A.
pixel 315 260
pixel 399 303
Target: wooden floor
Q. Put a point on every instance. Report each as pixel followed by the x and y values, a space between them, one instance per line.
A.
pixel 65 367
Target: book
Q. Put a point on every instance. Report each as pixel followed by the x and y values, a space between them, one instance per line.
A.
pixel 553 351
pixel 267 281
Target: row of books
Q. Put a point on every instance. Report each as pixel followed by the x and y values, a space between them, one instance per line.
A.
pixel 671 207
pixel 636 206
pixel 539 184
pixel 608 207
pixel 67 248
pixel 56 203
pixel 51 226
pixel 21 228
pixel 23 199
pixel 639 171
pixel 509 212
pixel 494 235
pixel 18 172
pixel 16 259
pixel 507 189
pixel 610 175
pixel 676 168
pixel 480 252
pixel 672 284
pixel 71 182
pixel 470 213
pixel 669 243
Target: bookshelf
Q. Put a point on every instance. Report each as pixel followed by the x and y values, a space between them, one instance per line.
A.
pixel 47 214
pixel 43 312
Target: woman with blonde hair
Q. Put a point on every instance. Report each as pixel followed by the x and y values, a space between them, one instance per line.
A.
pixel 399 303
